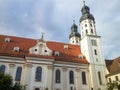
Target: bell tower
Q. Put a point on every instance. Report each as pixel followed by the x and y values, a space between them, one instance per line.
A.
pixel 92 50
pixel 74 36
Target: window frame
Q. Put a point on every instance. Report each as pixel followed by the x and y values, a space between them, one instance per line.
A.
pixel 57 76
pixel 38 74
pixel 2 68
pixel 18 74
pixel 84 80
pixel 99 77
pixel 71 77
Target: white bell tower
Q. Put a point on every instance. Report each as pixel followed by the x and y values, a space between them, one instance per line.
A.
pixel 74 35
pixel 92 50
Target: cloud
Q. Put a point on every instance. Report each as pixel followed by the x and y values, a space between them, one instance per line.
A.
pixel 30 18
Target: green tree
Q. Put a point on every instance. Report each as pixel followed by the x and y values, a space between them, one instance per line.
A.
pixel 115 84
pixel 6 83
pixel 18 86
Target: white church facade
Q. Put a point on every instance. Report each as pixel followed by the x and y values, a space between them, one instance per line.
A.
pixel 47 65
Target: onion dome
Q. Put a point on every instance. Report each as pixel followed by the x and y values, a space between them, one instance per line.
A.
pixel 74 32
pixel 86 14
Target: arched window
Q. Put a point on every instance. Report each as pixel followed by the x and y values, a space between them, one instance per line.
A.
pixel 71 77
pixel 57 75
pixel 37 89
pixel 84 78
pixel 38 74
pixel 18 74
pixel 2 68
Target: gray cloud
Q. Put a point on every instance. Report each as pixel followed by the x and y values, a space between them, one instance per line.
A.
pixel 29 18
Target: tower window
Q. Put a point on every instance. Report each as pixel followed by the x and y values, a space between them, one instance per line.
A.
pixel 91 25
pixel 94 43
pixel 116 77
pixel 85 25
pixel 99 76
pixel 86 31
pixel 110 80
pixel 95 51
pixel 91 30
pixel 84 78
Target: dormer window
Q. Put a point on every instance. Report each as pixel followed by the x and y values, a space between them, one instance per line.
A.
pixel 7 39
pixel 16 49
pixel 56 53
pixel 80 56
pixel 65 46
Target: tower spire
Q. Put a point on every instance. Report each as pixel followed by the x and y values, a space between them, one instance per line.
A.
pixel 74 35
pixel 42 36
pixel 84 2
pixel 73 21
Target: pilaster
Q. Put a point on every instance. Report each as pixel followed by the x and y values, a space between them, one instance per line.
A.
pixel 12 70
pixel 77 79
pixel 27 75
pixel 64 69
pixel 50 78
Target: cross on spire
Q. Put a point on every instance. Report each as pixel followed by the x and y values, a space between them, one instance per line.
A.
pixel 42 36
pixel 73 21
pixel 84 2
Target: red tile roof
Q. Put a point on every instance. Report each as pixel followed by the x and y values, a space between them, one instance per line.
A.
pixel 113 66
pixel 66 55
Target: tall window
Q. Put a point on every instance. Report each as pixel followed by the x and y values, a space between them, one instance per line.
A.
pixel 99 76
pixel 91 30
pixel 110 80
pixel 91 25
pixel 57 75
pixel 86 31
pixel 18 74
pixel 38 74
pixel 2 68
pixel 95 51
pixel 84 78
pixel 71 77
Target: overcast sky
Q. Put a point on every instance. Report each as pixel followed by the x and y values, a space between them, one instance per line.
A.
pixel 30 18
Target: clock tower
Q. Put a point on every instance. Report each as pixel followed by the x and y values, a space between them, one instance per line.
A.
pixel 92 50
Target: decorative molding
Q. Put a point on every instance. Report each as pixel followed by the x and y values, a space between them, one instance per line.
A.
pixel 64 69
pixel 28 65
pixel 77 70
pixel 12 65
pixel 50 67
